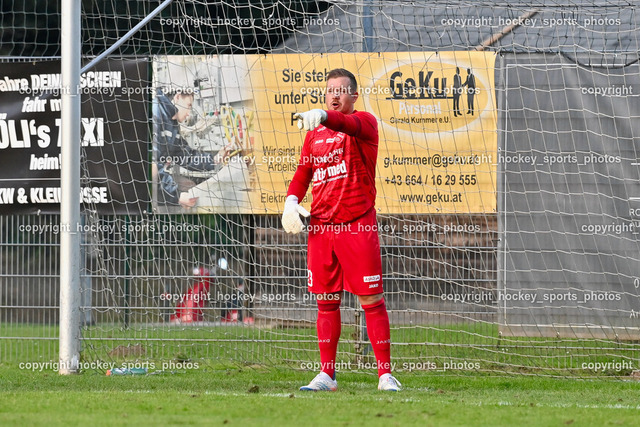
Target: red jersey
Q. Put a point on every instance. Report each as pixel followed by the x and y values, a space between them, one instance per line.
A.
pixel 339 158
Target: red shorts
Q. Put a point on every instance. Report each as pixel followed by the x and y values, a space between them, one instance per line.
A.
pixel 345 256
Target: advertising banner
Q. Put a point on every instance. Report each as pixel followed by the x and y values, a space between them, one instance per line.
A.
pixel 437 125
pixel 114 137
pixel 236 147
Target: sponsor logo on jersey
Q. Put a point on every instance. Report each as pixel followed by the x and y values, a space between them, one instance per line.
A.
pixel 332 157
pixel 338 138
pixel 369 279
pixel 329 172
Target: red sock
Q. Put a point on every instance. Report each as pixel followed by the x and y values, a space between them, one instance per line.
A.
pixel 379 334
pixel 329 326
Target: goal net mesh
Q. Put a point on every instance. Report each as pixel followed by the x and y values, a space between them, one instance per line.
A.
pixel 508 204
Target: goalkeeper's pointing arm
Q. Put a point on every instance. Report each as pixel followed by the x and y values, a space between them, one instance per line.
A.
pixel 311 119
pixel 338 121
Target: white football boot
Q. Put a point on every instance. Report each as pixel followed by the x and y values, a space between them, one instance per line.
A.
pixel 322 382
pixel 388 383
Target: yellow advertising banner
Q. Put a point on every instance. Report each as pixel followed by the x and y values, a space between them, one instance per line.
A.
pixel 436 113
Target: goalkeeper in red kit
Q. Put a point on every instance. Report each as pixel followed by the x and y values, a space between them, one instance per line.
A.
pixel 339 157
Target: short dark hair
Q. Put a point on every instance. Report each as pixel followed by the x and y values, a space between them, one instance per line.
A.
pixel 341 72
pixel 181 94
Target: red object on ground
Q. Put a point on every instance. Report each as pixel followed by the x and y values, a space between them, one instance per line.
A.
pixel 189 309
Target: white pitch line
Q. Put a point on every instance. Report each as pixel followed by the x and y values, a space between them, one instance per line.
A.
pixel 560 405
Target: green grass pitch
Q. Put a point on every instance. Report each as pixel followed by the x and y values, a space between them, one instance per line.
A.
pixel 249 376
pixel 256 396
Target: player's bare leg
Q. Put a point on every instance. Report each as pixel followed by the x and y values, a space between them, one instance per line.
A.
pixel 329 326
pixel 378 328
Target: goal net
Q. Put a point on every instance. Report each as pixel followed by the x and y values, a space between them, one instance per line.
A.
pixel 507 193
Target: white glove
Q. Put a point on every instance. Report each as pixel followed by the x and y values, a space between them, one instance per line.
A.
pixel 311 119
pixel 291 221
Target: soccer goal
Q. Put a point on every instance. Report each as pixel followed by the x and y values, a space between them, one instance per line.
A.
pixel 507 197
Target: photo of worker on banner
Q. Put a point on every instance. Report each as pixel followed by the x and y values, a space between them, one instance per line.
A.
pixel 202 138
